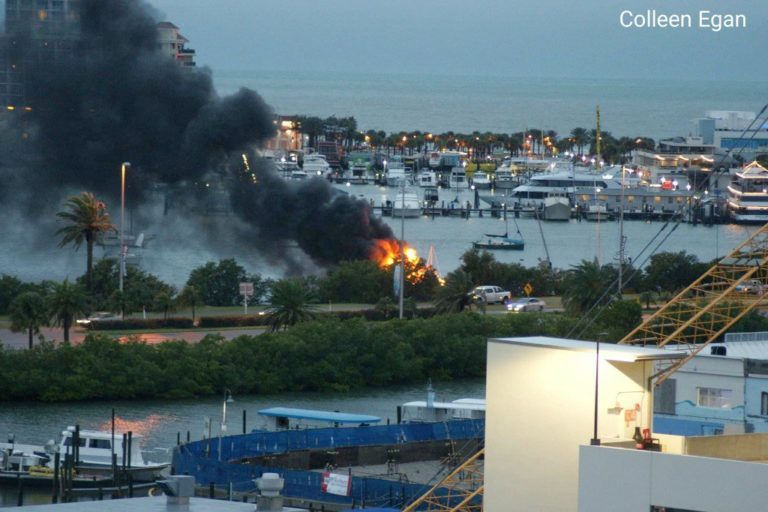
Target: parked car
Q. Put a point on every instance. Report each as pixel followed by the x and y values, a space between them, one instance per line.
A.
pixel 491 294
pixel 101 316
pixel 526 304
pixel 754 286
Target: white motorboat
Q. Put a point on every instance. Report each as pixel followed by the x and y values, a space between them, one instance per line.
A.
pixel 96 449
pixel 434 159
pixel 427 179
pixel 561 184
pixel 406 204
pixel 396 173
pixel 315 164
pixel 556 208
pixel 458 178
pixel 481 181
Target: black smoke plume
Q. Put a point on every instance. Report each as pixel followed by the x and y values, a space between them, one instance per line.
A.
pixel 113 97
pixel 327 224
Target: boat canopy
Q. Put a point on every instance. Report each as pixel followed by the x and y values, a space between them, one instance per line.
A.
pixel 312 414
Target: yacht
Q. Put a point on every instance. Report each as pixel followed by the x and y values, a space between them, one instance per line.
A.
pixel 406 204
pixel 396 174
pixel 434 160
pixel 748 194
pixel 427 179
pixel 562 184
pixel 481 181
pixel 458 178
pixel 316 165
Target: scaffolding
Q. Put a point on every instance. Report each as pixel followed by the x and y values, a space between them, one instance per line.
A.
pixel 707 308
pixel 460 491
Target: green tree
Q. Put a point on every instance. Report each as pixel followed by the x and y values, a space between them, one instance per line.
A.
pixel 218 283
pixel 585 283
pixel 88 220
pixel 28 313
pixel 10 288
pixel 355 281
pixel 289 303
pixel 190 297
pixel 620 317
pixel 140 288
pixel 672 271
pixel 66 301
pixel 163 301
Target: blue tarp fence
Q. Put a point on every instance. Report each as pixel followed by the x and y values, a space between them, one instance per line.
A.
pixel 201 459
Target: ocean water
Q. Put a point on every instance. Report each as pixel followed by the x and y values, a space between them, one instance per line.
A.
pixel 638 107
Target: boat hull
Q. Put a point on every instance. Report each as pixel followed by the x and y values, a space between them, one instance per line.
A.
pixel 501 246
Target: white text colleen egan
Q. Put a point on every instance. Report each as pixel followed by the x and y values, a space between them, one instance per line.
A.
pixel 706 20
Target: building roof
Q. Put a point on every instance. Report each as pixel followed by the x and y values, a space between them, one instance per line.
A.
pixel 608 351
pixel 167 24
pixel 155 504
pixel 311 414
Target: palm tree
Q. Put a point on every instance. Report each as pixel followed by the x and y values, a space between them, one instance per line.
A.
pixel 580 138
pixel 190 297
pixel 585 284
pixel 66 301
pixel 290 303
pixel 88 219
pixel 456 295
pixel 28 312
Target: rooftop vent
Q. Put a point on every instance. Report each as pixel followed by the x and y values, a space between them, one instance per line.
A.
pixel 269 499
pixel 178 488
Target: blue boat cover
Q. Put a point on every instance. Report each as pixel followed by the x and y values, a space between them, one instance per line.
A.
pixel 311 414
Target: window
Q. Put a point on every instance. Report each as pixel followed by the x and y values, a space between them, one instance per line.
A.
pixel 764 404
pixel 716 398
pixel 100 443
pixel 68 442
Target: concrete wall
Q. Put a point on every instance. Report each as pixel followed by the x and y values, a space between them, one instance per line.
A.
pixel 743 447
pixel 614 479
pixel 540 406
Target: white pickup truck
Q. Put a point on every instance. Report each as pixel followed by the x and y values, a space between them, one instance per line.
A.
pixel 491 294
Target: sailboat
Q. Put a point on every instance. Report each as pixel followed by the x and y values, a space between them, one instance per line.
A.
pixel 502 242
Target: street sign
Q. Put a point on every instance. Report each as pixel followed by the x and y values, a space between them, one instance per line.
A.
pixel 246 289
pixel 528 289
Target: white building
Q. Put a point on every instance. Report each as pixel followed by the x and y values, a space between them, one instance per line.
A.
pixel 722 390
pixel 172 43
pixel 727 130
pixel 540 420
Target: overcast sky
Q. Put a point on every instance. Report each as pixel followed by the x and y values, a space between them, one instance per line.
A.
pixel 558 38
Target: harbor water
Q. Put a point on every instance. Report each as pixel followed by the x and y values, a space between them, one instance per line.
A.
pixel 160 421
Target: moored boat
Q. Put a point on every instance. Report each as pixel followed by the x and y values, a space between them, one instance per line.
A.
pixel 556 208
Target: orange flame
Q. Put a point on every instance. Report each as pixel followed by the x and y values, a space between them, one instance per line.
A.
pixel 386 253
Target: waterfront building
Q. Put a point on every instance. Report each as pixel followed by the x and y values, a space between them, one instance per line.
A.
pixel 676 154
pixel 288 137
pixel 733 131
pixel 171 42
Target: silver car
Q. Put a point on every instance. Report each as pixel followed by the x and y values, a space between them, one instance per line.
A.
pixel 526 304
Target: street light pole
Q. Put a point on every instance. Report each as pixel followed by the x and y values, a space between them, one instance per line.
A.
pixel 125 167
pixel 223 425
pixel 402 247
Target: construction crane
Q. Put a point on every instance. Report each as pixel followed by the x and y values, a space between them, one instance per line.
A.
pixel 460 491
pixel 707 308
